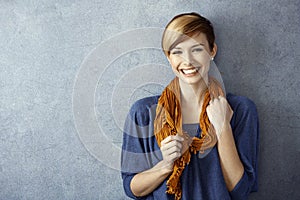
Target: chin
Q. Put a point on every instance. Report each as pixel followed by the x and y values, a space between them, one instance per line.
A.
pixel 191 81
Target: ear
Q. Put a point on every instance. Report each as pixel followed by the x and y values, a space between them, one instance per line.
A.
pixel 214 50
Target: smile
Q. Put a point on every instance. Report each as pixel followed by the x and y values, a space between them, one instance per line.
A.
pixel 189 71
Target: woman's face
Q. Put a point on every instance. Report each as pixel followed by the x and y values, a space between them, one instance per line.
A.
pixel 190 59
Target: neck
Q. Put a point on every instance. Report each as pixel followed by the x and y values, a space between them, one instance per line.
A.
pixel 192 93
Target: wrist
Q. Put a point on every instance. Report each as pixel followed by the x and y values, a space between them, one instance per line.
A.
pixel 224 131
pixel 165 167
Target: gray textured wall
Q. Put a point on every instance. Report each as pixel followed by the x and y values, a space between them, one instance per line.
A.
pixel 43 155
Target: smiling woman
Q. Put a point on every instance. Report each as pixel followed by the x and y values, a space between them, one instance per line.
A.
pixel 194 142
pixel 190 60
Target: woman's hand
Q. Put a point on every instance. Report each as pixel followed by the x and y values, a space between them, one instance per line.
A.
pixel 147 181
pixel 219 113
pixel 171 149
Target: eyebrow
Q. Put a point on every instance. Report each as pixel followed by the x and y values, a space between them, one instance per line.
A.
pixel 200 44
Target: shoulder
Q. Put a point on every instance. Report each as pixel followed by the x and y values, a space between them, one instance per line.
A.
pixel 144 103
pixel 244 122
pixel 243 108
pixel 142 109
pixel 240 103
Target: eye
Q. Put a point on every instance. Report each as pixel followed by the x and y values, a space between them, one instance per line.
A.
pixel 176 52
pixel 197 50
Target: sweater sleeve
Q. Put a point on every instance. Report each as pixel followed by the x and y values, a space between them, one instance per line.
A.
pixel 246 134
pixel 139 148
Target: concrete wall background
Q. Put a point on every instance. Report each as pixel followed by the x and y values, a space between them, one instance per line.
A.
pixel 43 44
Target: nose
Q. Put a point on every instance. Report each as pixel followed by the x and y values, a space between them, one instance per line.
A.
pixel 187 59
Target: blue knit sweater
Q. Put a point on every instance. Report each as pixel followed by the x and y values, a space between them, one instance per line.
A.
pixel 202 178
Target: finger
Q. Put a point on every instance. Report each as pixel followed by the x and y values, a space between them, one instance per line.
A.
pixel 171 144
pixel 217 99
pixel 172 157
pixel 171 154
pixel 222 98
pixel 178 137
pixel 213 100
pixel 167 140
pixel 174 149
pixel 173 137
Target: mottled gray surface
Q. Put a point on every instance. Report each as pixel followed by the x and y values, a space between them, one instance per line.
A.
pixel 44 43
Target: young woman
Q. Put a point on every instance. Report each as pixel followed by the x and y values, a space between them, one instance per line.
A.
pixel 192 141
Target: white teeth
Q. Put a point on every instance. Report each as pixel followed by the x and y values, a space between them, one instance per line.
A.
pixel 189 71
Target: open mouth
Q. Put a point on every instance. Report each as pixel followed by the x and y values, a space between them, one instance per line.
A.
pixel 189 71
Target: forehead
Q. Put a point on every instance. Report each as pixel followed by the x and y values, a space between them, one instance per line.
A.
pixel 199 38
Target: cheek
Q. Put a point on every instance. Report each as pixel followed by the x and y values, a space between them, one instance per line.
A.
pixel 203 60
pixel 203 57
pixel 174 65
pixel 174 62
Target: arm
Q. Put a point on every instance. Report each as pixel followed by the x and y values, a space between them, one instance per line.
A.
pixel 220 114
pixel 145 165
pixel 147 181
pixel 231 164
pixel 244 131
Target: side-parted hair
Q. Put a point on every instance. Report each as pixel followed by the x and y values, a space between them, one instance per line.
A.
pixel 184 26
